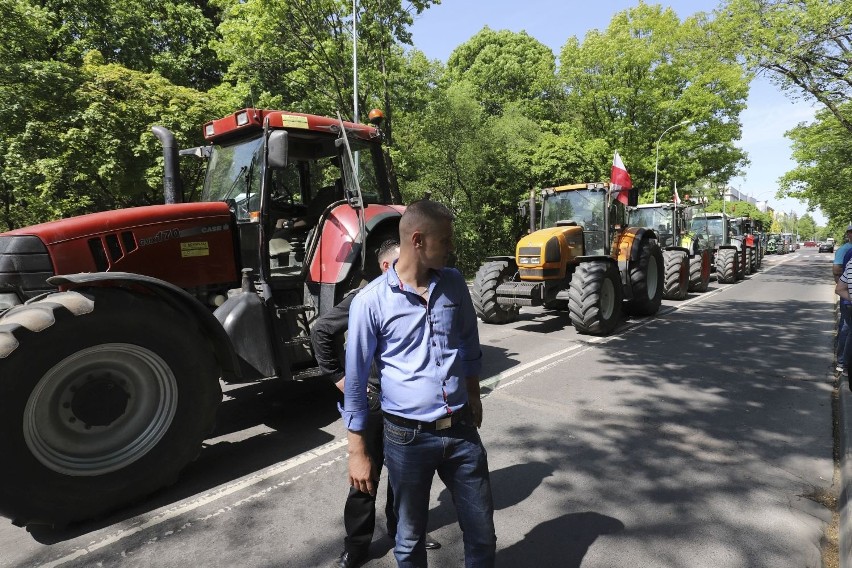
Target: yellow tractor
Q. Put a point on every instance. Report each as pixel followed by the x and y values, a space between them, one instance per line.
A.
pixel 579 255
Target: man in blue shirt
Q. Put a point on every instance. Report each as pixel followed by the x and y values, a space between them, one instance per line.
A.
pixel 418 323
pixel 841 257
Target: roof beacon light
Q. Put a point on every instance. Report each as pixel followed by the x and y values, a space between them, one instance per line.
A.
pixel 242 118
pixel 376 117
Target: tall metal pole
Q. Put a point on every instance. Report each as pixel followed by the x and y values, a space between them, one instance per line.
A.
pixel 657 161
pixel 355 60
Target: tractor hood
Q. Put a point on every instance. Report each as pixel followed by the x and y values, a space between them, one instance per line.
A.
pixel 187 244
pixel 136 219
pixel 544 254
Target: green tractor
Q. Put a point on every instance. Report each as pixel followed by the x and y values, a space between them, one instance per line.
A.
pixel 687 260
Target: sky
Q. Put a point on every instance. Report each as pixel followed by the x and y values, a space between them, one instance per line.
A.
pixel 441 28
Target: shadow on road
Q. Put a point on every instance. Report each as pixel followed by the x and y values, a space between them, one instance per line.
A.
pixel 562 542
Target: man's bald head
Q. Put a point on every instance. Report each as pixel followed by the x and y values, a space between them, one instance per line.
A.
pixel 422 216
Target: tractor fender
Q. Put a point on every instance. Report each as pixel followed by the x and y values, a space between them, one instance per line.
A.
pixel 509 259
pixel 629 245
pixel 733 247
pixel 339 249
pixel 599 258
pixel 684 249
pixel 176 298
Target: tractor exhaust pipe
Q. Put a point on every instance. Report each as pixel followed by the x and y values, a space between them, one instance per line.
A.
pixel 171 177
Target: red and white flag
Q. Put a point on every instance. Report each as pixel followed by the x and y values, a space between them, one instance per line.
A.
pixel 676 197
pixel 620 178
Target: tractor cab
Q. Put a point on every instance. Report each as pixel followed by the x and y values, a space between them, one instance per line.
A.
pixel 284 175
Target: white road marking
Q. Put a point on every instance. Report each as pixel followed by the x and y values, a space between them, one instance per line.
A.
pixel 215 495
pixel 492 383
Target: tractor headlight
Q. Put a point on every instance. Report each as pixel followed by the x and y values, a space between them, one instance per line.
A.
pixel 530 260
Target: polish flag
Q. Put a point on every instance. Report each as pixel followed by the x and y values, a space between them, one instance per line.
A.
pixel 676 197
pixel 619 178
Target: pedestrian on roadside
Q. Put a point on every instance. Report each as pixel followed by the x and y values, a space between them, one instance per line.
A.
pixel 418 324
pixel 359 512
pixel 842 256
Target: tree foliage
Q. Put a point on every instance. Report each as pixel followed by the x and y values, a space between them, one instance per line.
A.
pixel 821 151
pixel 806 47
pixel 645 73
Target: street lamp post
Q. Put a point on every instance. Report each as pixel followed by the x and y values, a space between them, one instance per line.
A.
pixel 657 161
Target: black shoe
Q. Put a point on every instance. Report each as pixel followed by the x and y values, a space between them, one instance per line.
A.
pixel 349 560
pixel 431 543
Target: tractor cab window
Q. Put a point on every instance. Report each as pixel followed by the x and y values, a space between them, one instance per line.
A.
pixel 585 207
pixel 651 218
pixel 233 175
pixel 713 227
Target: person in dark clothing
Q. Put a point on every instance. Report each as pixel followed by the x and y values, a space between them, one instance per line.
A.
pixel 359 513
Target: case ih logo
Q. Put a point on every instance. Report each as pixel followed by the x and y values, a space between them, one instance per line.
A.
pixel 169 234
pixel 160 237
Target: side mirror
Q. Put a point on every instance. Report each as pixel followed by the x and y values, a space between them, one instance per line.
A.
pixel 276 150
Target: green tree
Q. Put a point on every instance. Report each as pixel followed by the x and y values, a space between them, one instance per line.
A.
pixel 806 227
pixel 99 153
pixel 645 73
pixel 478 165
pixel 806 47
pixel 506 67
pixel 821 151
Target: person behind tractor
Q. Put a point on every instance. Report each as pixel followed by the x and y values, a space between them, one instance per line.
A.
pixel 841 257
pixel 359 512
pixel 418 323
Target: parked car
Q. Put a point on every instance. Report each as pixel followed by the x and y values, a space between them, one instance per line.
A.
pixel 826 247
pixel 810 243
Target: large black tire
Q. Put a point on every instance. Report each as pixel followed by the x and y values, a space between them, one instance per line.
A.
pixel 595 297
pixel 646 278
pixel 752 260
pixel 484 293
pixel 699 272
pixel 105 396
pixel 676 266
pixel 726 266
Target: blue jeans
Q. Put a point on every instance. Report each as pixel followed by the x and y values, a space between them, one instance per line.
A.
pixel 413 457
pixel 844 336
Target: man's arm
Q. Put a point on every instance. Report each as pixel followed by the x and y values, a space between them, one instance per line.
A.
pixel 360 350
pixel 471 352
pixel 842 290
pixel 325 336
pixel 473 399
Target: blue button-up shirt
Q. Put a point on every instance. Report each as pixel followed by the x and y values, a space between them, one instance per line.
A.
pixel 424 351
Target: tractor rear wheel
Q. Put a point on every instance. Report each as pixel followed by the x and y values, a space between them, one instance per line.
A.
pixel 595 297
pixel 646 277
pixel 484 293
pixel 676 266
pixel 699 272
pixel 726 266
pixel 105 396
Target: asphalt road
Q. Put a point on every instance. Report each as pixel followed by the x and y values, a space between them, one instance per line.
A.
pixel 699 437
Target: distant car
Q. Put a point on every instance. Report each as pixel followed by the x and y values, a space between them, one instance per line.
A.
pixel 826 247
pixel 810 243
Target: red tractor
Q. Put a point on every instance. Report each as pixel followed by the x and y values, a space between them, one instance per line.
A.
pixel 116 327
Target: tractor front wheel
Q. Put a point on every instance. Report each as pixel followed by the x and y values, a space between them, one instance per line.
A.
pixel 105 396
pixel 595 297
pixel 699 272
pixel 484 293
pixel 726 266
pixel 676 266
pixel 646 277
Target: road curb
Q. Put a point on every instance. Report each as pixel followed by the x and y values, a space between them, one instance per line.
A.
pixel 845 529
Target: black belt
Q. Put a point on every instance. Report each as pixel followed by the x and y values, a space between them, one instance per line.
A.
pixel 441 424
